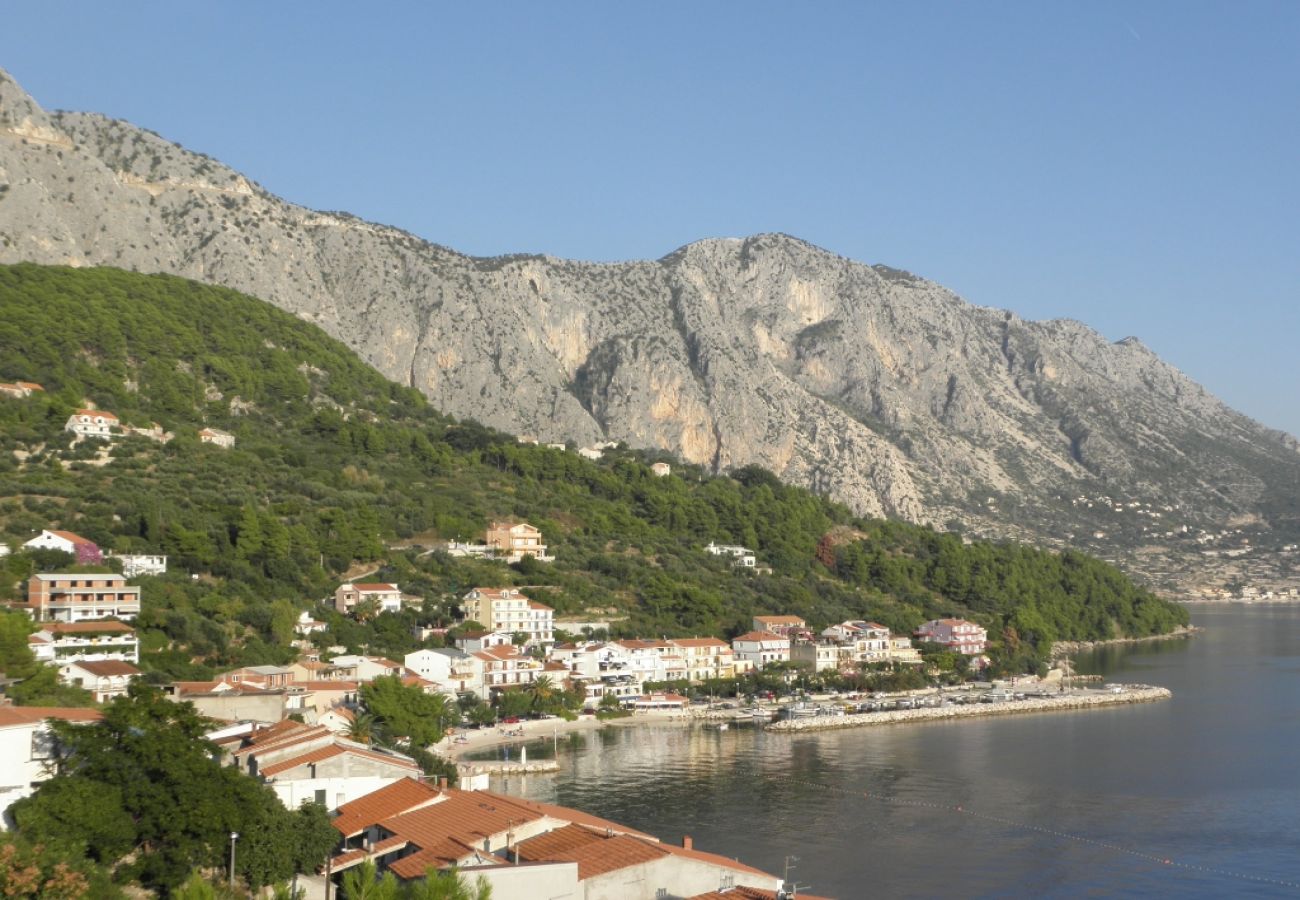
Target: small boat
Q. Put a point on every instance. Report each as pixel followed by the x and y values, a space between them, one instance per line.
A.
pixel 723 726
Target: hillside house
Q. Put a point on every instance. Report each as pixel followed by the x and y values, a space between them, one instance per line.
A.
pixel 956 634
pixel 217 437
pixel 85 551
pixel 385 597
pixel 508 610
pixel 105 679
pixel 512 541
pixel 87 641
pixel 93 423
pixel 661 470
pixel 307 626
pixel 505 667
pixel 786 626
pixel 19 390
pixel 75 598
pixel 136 564
pixel 743 557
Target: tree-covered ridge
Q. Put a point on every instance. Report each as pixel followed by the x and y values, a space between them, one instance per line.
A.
pixel 337 469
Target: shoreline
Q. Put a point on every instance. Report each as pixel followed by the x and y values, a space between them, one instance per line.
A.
pixel 541 729
pixel 1069 648
pixel 1087 700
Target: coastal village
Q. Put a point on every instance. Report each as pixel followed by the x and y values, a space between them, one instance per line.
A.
pixel 295 727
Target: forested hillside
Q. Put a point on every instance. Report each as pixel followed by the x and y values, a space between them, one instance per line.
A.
pixel 338 470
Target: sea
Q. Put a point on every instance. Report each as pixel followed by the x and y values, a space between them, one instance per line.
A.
pixel 1197 796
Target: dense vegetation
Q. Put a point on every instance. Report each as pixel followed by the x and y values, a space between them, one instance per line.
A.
pixel 339 472
pixel 142 792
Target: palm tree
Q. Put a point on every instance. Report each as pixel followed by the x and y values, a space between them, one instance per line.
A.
pixel 363 727
pixel 448 885
pixel 542 691
pixel 361 883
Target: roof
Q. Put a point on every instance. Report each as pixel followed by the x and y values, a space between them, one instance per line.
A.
pixel 376 587
pixel 595 853
pixel 107 668
pixel 448 831
pixel 27 715
pixel 779 620
pixel 399 797
pixel 763 636
pixel 106 626
pixel 698 642
pixel 533 604
pixel 30 385
pixel 103 413
pixel 75 538
pixel 496 594
pixel 330 751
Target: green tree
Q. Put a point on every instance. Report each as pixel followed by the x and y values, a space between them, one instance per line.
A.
pixel 406 711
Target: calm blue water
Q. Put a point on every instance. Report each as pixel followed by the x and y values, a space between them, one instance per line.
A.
pixel 1051 805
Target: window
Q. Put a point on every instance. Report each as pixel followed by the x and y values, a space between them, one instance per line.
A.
pixel 320 797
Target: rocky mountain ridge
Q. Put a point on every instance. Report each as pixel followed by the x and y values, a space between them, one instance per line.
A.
pixel 871 384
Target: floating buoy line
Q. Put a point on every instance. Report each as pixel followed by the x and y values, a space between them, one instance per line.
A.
pixel 962 810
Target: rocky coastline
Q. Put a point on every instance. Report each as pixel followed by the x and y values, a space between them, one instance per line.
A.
pixel 1069 648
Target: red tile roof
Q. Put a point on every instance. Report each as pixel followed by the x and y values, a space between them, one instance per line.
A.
pixel 107 668
pixel 764 636
pixel 26 715
pixel 375 588
pixel 399 797
pixel 107 626
pixel 96 412
pixel 594 853
pixel 74 538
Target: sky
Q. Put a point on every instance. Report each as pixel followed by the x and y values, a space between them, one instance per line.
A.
pixel 1131 165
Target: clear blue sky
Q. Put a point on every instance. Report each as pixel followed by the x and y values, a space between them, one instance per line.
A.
pixel 1132 165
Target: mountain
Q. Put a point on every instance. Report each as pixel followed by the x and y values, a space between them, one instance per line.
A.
pixel 870 384
pixel 336 470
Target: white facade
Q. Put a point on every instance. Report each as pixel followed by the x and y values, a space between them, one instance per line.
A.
pixel 92 423
pixel 386 597
pixel 744 558
pixel 217 437
pixel 761 648
pixel 62 643
pixel 136 564
pixel 26 748
pixel 64 541
pixel 510 611
pixel 661 469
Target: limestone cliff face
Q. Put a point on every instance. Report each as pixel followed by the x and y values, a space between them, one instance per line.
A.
pixel 870 384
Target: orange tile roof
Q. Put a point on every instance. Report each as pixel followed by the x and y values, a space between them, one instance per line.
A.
pixel 779 620
pixel 26 715
pixel 759 636
pixel 595 854
pixel 376 587
pixel 75 538
pixel 106 668
pixel 30 385
pixel 698 642
pixel 399 797
pixel 96 412
pixel 107 626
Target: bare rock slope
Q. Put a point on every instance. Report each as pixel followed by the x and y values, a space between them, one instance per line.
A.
pixel 871 384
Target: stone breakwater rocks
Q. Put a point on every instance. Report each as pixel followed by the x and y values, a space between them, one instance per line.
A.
pixel 1080 700
pixel 488 767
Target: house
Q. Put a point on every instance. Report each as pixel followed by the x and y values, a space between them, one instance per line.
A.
pixel 92 423
pixel 600 669
pixel 455 671
pixel 217 437
pixel 956 634
pixel 235 701
pixel 136 564
pixel 385 597
pixel 902 651
pixel 866 641
pixel 310 763
pixel 75 598
pixel 505 667
pixel 508 610
pixel 469 641
pixel 154 432
pixel 525 849
pixel 105 679
pixel 661 470
pixel 822 657
pixel 20 390
pixel 783 625
pixel 761 648
pixel 85 641
pixel 706 658
pixel 744 558
pixel 512 541
pixel 368 668
pixel 307 626
pixel 27 749
pixel 86 551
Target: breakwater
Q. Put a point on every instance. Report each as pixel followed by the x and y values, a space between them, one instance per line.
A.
pixel 1073 700
pixel 506 767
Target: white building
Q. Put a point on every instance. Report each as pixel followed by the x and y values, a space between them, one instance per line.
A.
pixel 217 437
pixel 307 626
pixel 744 558
pixel 822 657
pixel 661 469
pixel 87 641
pixel 27 749
pixel 368 668
pixel 454 671
pixel 505 667
pixel 105 679
pixel 92 423
pixel 761 648
pixel 508 610
pixel 63 541
pixel 136 564
pixel 512 541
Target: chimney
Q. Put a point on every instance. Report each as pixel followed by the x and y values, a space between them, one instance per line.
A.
pixel 687 843
pixel 442 782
